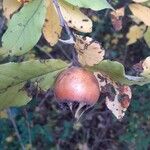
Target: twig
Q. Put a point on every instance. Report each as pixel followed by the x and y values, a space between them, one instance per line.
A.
pixel 64 52
pixel 125 55
pixel 64 24
pixel 16 129
pixel 42 50
pixel 28 125
pixel 49 93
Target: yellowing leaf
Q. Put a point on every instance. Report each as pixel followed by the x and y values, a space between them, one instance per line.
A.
pixel 146 67
pixel 147 36
pixel 9 7
pixel 52 28
pixel 135 19
pixel 89 52
pixel 120 102
pixel 3 114
pixel 23 1
pixel 141 12
pixel 140 1
pixel 118 96
pixel 135 33
pixel 75 18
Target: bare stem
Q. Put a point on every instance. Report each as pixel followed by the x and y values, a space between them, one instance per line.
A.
pixel 28 125
pixel 15 127
pixel 78 112
pixel 64 24
pixel 42 50
pixel 49 93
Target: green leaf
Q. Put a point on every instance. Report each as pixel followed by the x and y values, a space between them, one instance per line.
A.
pixel 116 72
pixel 24 29
pixel 14 76
pixel 14 96
pixel 147 36
pixel 94 4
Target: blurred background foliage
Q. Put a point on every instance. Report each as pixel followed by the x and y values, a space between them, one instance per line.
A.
pixel 44 124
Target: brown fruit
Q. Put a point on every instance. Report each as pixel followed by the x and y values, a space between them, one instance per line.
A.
pixel 77 84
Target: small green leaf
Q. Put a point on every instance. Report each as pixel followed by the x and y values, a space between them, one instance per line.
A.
pixel 14 96
pixel 14 76
pixel 94 4
pixel 116 72
pixel 147 36
pixel 24 29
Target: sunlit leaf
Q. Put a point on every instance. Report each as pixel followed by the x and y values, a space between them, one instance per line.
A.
pixel 140 1
pixel 52 28
pixel 95 4
pixel 75 18
pixel 9 7
pixel 135 33
pixel 24 1
pixel 24 28
pixel 141 12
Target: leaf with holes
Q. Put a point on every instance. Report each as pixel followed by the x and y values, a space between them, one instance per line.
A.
pixel 75 18
pixel 116 72
pixel 24 29
pixel 14 77
pixel 89 52
pixel 120 102
pixel 118 97
pixel 52 28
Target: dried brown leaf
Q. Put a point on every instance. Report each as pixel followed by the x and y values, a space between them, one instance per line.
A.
pixel 116 18
pixel 89 52
pixel 121 101
pixel 118 97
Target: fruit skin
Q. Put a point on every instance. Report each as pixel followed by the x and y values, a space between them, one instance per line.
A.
pixel 77 84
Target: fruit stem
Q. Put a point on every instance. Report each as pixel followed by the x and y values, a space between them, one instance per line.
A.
pixel 79 112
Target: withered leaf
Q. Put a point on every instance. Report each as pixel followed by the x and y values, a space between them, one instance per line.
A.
pixel 89 52
pixel 116 18
pixel 135 33
pixel 118 96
